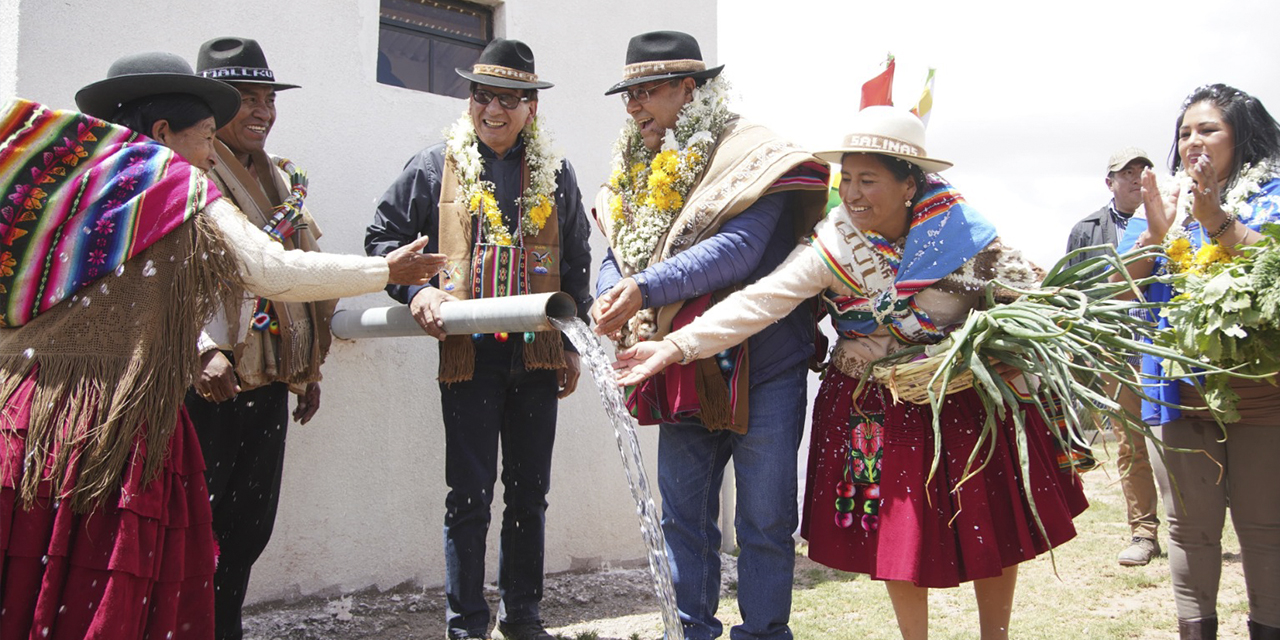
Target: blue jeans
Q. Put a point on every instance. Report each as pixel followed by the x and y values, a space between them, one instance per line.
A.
pixel 502 405
pixel 691 463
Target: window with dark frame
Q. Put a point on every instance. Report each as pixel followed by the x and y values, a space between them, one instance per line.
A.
pixel 421 42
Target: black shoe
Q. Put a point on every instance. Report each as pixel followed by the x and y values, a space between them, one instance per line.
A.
pixel 522 631
pixel 1259 631
pixel 1202 629
pixel 464 634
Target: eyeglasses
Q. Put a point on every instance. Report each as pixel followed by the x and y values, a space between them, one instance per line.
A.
pixel 642 94
pixel 508 101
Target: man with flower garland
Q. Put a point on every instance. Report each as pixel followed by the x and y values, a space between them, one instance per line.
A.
pixel 701 202
pixel 508 213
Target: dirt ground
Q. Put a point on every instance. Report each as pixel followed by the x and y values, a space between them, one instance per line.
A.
pixel 617 603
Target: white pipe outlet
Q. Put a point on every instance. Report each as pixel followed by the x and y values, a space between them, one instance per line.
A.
pixel 511 314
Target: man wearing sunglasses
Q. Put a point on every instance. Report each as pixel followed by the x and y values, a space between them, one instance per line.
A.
pixel 509 215
pixel 700 203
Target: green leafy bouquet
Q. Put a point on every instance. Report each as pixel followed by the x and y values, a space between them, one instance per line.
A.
pixel 1226 314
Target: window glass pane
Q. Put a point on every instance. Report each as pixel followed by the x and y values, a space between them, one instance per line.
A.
pixel 456 20
pixel 445 57
pixel 421 42
pixel 404 59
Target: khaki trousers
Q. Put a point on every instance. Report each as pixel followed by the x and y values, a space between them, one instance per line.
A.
pixel 1137 480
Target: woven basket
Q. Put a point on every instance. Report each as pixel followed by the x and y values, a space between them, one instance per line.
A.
pixel 909 381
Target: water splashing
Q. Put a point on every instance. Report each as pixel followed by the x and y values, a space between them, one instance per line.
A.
pixel 595 360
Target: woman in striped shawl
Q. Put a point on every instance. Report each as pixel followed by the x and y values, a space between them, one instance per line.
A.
pixel 898 262
pixel 114 250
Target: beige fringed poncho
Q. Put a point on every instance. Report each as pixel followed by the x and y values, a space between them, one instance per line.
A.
pixel 113 363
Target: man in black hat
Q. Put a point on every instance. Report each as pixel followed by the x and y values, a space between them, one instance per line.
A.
pixel 509 215
pixel 240 400
pixel 700 203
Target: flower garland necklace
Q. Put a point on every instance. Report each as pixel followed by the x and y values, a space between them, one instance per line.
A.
pixel 1177 243
pixel 462 146
pixel 650 189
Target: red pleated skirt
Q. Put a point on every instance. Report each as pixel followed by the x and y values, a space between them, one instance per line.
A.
pixel 141 566
pixel 934 535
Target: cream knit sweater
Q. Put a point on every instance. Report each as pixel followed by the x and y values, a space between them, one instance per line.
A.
pixel 804 275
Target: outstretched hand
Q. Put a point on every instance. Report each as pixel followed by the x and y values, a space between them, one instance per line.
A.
pixel 409 267
pixel 638 363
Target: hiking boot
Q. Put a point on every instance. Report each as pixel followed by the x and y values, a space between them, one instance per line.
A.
pixel 1139 552
pixel 522 631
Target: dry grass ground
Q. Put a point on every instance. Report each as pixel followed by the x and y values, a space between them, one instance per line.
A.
pixel 1088 596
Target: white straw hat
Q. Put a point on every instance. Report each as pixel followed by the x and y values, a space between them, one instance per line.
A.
pixel 889 131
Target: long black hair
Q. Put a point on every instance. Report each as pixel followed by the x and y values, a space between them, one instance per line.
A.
pixel 1257 135
pixel 181 110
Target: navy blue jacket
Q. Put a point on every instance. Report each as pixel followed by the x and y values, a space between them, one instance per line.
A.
pixel 745 249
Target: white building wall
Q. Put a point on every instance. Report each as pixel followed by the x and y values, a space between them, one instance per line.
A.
pixel 363 496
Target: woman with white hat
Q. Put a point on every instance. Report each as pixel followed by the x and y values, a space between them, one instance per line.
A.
pixel 898 262
pixel 114 250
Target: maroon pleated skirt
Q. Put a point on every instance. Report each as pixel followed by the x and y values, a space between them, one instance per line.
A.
pixel 945 532
pixel 141 566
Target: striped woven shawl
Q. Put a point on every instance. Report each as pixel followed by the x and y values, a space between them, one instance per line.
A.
pixel 78 198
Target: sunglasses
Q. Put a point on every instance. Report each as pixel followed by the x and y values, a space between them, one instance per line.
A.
pixel 506 100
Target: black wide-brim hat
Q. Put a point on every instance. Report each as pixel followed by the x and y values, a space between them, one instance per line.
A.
pixel 663 55
pixel 141 75
pixel 237 60
pixel 507 64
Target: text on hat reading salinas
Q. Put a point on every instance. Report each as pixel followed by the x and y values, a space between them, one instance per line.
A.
pixel 889 145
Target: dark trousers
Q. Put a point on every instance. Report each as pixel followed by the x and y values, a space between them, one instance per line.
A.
pixel 505 406
pixel 243 444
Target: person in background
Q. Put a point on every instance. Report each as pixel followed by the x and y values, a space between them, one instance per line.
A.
pixel 1137 479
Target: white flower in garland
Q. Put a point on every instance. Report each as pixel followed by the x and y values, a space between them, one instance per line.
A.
pixel 537 202
pixel 649 189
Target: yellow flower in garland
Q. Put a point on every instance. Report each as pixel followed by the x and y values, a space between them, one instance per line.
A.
pixel 541 212
pixel 484 203
pixel 1209 255
pixel 667 162
pixel 637 172
pixel 1179 252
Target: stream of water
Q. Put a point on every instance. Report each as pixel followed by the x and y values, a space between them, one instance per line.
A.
pixel 595 360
